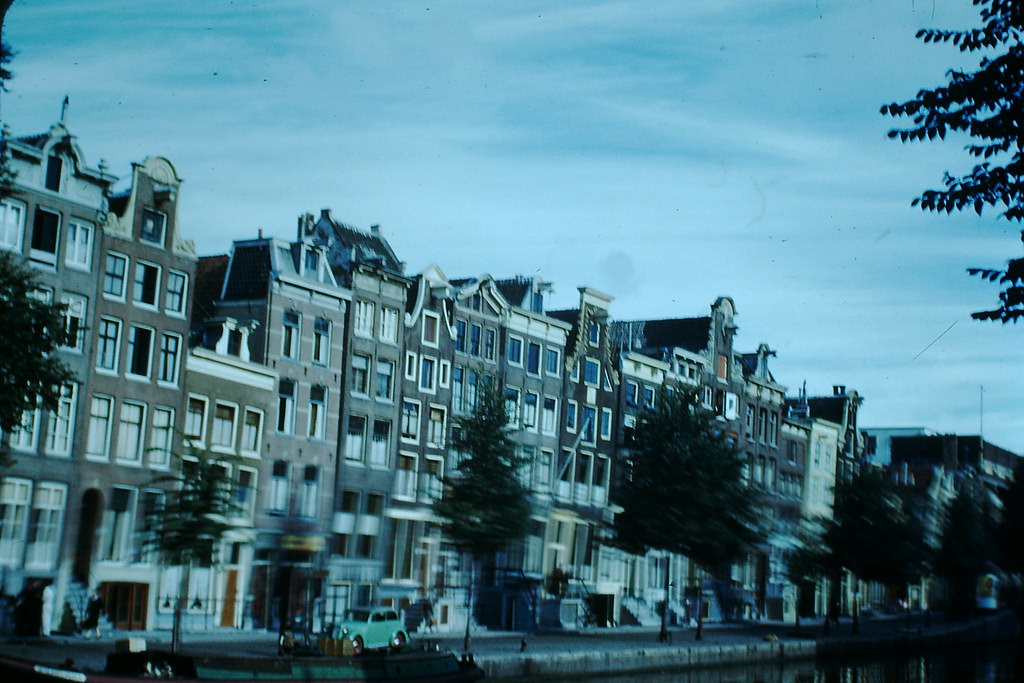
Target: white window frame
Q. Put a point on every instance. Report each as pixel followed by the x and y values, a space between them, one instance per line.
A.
pixel 139 284
pixel 121 279
pixel 126 452
pixel 291 334
pixel 196 436
pixel 45 525
pixel 12 224
pixel 321 341
pixel 362 319
pixel 60 431
pixel 390 375
pixel 317 427
pixel 248 445
pixel 516 360
pixel 168 372
pixel 15 500
pixel 26 437
pixel 436 429
pixel 380 455
pixel 361 374
pixel 131 343
pixel 223 431
pixel 412 433
pixel 76 309
pixel 97 445
pixel 389 318
pixel 161 437
pixel 78 250
pixel 42 255
pixel 108 347
pixel 355 444
pixel 172 293
pixel 435 324
pixel 286 406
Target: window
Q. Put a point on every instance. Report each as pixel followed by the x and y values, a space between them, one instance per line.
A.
pixel 152 227
pixel 45 237
pixel 591 371
pixel 381 444
pixel 101 410
pixel 410 365
pixel 177 288
pixel 290 335
pixel 364 318
pixel 12 224
pixel 195 419
pixel 474 340
pixel 355 438
pixel 551 364
pixel 14 500
pixel 515 350
pixel 593 334
pixel 606 423
pixel 161 433
pixel 147 284
pixel 410 420
pixel 54 171
pixel 436 418
pixel 723 366
pixel 430 329
pixel 252 430
pixel 321 341
pixel 428 376
pixel 140 340
pixel 62 421
pixel 648 397
pixel 170 347
pixel 444 378
pixel 24 438
pixel 114 275
pixel 385 379
pixel 360 374
pixel 588 423
pixel 388 324
pixel 317 412
pixel 460 336
pixel 570 415
pixel 632 393
pixel 223 432
pixel 74 320
pixel 45 525
pixel 490 337
pixel 130 431
pixel 533 358
pixel 310 503
pixel 286 406
pixel 432 482
pixel 458 388
pixel 549 417
pixel 278 499
pixel 530 411
pixel 512 406
pixel 311 266
pixel 245 491
pixel 78 251
pixel 116 533
pixel 405 476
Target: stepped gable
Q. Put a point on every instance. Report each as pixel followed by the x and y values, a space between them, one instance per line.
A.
pixel 248 274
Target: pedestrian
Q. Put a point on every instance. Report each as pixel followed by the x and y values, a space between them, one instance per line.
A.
pixel 93 609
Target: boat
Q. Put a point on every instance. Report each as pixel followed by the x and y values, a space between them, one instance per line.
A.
pixel 409 665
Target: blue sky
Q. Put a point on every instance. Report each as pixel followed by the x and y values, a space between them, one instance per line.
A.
pixel 666 152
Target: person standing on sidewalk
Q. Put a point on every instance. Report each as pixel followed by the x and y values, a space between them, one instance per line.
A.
pixel 93 610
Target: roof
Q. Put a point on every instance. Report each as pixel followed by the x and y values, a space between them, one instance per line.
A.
pixel 210 272
pixel 248 273
pixel 515 289
pixel 352 246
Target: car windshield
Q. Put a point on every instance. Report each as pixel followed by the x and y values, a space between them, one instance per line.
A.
pixel 358 615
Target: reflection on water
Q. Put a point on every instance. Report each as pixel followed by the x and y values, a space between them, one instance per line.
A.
pixel 991 664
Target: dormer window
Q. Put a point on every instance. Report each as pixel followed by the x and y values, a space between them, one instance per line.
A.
pixel 54 171
pixel 153 224
pixel 312 263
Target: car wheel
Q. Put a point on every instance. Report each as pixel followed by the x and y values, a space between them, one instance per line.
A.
pixel 398 640
pixel 357 645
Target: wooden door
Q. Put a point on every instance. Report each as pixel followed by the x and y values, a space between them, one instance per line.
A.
pixel 227 611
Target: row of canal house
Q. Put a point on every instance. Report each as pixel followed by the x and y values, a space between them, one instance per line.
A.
pixel 331 381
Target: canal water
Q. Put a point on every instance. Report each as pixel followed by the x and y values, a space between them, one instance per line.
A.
pixel 998 663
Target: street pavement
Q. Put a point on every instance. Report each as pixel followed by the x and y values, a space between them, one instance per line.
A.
pixel 91 654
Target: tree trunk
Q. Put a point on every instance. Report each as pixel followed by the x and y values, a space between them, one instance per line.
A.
pixel 663 633
pixel 180 605
pixel 798 591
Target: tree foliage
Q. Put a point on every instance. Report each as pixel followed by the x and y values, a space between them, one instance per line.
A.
pixel 871 532
pixel 684 492
pixel 1011 525
pixel 967 547
pixel 986 106
pixel 31 374
pixel 485 505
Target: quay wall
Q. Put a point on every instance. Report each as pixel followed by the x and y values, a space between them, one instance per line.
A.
pixel 631 659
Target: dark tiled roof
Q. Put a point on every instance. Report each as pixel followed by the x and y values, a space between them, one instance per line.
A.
pixel 515 289
pixel 831 408
pixel 36 141
pixel 365 247
pixel 210 271
pixel 117 203
pixel 249 273
pixel 691 334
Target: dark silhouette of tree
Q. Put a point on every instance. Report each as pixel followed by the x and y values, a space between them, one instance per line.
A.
pixel 188 526
pixel 807 562
pixel 986 106
pixel 485 506
pixel 683 491
pixel 872 533
pixel 967 548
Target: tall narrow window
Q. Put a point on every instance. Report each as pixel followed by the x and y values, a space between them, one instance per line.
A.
pixel 355 438
pixel 317 412
pixel 410 420
pixel 195 419
pixel 428 374
pixel 45 525
pixel 430 329
pixel 24 438
pixel 460 336
pixel 74 320
pixel 360 374
pixel 101 411
pixel 436 419
pixel 385 379
pixel 549 418
pixel 129 431
pixel 381 444
pixel 45 236
pixel 533 358
pixel 223 433
pixel 588 423
pixel 489 343
pixel 474 340
pixel 529 410
pixel 62 421
pixel 515 351
pixel 147 284
pixel 12 224
pixel 310 503
pixel 551 364
pixel 363 318
pixel 177 288
pixel 278 499
pixel 321 341
pixel 14 500
pixel 114 271
pixel 290 335
pixel 116 534
pixel 78 251
pixel 54 171
pixel 160 437
pixel 388 324
pixel 170 351
pixel 139 350
pixel 286 406
pixel 252 431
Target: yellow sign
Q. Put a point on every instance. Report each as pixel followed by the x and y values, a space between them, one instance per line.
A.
pixel 309 544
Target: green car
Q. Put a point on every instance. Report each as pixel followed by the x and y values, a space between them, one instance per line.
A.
pixel 372 627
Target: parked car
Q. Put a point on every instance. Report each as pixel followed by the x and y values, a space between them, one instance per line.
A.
pixel 372 627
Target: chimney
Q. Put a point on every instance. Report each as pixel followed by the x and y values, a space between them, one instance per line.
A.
pixel 375 229
pixel 838 390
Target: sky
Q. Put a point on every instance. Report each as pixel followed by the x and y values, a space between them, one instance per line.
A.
pixel 666 152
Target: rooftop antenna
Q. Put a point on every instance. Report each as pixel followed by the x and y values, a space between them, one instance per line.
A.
pixel 64 111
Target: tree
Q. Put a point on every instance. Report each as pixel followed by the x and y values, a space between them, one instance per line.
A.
pixel 807 562
pixel 485 506
pixel 985 105
pixel 966 549
pixel 871 533
pixel 684 492
pixel 192 520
